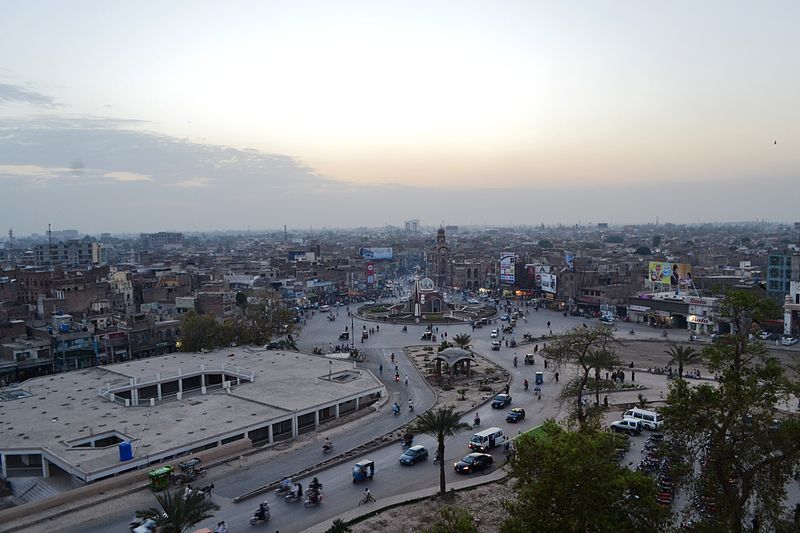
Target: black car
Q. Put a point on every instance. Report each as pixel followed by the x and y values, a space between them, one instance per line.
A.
pixel 515 415
pixel 501 400
pixel 414 454
pixel 473 462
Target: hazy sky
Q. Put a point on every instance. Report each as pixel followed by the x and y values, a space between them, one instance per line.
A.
pixel 199 115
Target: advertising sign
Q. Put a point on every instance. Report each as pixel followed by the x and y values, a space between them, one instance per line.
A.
pixel 569 259
pixel 376 253
pixel 370 273
pixel 667 273
pixel 534 272
pixel 549 283
pixel 508 261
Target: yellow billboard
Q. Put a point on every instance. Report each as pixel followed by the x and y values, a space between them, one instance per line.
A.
pixel 668 273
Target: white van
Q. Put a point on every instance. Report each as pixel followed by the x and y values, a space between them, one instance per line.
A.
pixel 649 419
pixel 324 308
pixel 487 439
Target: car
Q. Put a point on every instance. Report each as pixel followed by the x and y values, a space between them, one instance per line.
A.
pixel 496 346
pixel 607 319
pixel 473 462
pixel 627 425
pixel 764 335
pixel 494 334
pixel 413 455
pixel 788 341
pixel 515 415
pixel 473 301
pixel 501 400
pixel 504 318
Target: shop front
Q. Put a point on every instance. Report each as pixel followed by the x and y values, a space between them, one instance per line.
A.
pixel 700 325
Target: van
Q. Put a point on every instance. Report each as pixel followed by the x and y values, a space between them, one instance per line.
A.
pixel 324 308
pixel 649 419
pixel 486 439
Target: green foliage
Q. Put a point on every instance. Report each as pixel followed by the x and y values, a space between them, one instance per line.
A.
pixel 590 350
pixel 572 481
pixel 338 526
pixel 462 340
pixel 202 331
pixel 454 520
pixel 177 513
pixel 683 355
pixel 463 393
pixel 443 346
pixel 241 300
pixel 747 458
pixel 642 250
pixel 615 239
pixel 441 424
pixel 545 243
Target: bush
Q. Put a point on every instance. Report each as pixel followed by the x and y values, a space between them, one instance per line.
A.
pixel 454 520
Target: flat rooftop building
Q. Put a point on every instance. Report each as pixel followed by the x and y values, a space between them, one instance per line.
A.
pixel 171 406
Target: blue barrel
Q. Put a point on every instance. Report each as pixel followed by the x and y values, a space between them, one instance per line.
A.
pixel 125 451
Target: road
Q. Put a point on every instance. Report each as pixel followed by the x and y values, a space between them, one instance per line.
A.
pixel 340 493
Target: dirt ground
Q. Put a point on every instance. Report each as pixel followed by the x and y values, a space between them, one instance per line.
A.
pixel 483 502
pixel 483 371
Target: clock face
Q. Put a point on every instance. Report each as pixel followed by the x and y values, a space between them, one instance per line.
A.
pixel 370 267
pixel 426 284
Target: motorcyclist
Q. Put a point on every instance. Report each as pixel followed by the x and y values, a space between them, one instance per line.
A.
pixel 410 405
pixel 314 486
pixel 408 438
pixel 286 484
pixel 297 491
pixel 477 420
pixel 525 383
pixel 395 408
pixel 261 512
pixel 327 445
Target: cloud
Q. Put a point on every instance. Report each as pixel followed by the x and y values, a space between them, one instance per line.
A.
pixel 127 176
pixel 193 183
pixel 13 94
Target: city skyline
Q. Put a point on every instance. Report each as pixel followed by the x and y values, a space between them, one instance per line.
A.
pixel 364 114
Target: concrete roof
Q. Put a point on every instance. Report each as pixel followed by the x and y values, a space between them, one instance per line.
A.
pixel 453 355
pixel 65 407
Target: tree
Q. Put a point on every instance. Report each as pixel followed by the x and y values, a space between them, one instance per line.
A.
pixel 590 349
pixel 683 355
pixel 615 239
pixel 642 250
pixel 462 340
pixel 338 526
pixel 545 243
pixel 572 481
pixel 441 423
pixel 202 331
pixel 444 345
pixel 454 520
pixel 744 459
pixel 241 300
pixel 178 513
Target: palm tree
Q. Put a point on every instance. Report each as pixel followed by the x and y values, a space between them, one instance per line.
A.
pixel 462 340
pixel 440 424
pixel 338 526
pixel 178 513
pixel 683 355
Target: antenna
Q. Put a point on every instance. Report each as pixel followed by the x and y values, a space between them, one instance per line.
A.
pixel 11 237
pixel 49 236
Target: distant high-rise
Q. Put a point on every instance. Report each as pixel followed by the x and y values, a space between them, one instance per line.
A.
pixel 412 225
pixel 162 239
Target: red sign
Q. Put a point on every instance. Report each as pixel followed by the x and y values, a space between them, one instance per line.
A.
pixel 370 273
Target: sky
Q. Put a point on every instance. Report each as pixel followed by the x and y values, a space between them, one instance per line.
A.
pixel 199 115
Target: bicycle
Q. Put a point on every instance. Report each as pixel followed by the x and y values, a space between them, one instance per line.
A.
pixel 368 498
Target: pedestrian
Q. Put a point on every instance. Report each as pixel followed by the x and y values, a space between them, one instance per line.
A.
pixel 606 376
pixel 536 349
pixel 633 375
pixel 507 388
pixel 548 324
pixel 396 367
pixel 556 377
pixel 605 401
pixel 545 364
pixel 551 332
pixel 406 380
pixel 380 368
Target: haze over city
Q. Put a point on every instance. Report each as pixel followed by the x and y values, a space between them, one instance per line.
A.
pixel 204 115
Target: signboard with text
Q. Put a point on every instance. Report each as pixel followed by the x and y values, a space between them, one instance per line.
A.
pixel 376 253
pixel 667 273
pixel 549 283
pixel 508 263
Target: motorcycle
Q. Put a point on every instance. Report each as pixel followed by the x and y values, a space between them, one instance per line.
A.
pixel 327 448
pixel 259 518
pixel 411 407
pixel 292 497
pixel 476 422
pixel 314 498
pixel 283 488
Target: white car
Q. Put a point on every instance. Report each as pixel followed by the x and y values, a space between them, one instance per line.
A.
pixel 494 334
pixel 627 425
pixel 788 341
pixel 764 335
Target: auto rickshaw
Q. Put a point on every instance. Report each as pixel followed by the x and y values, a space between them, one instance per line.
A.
pixel 426 336
pixel 190 470
pixel 159 478
pixel 344 335
pixel 539 378
pixel 363 470
pixel 364 335
pixel 529 360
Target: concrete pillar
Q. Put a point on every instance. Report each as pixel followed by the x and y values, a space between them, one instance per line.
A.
pixel 45 467
pixel 134 393
pixel 269 434
pixel 316 417
pixel 158 386
pixel 294 426
pixel 337 410
pixel 202 383
pixel 180 386
pixel 356 403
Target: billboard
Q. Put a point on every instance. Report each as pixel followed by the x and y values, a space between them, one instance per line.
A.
pixel 668 273
pixel 376 253
pixel 569 259
pixel 534 273
pixel 549 283
pixel 508 263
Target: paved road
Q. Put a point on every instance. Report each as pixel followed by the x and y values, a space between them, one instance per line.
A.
pixel 340 492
